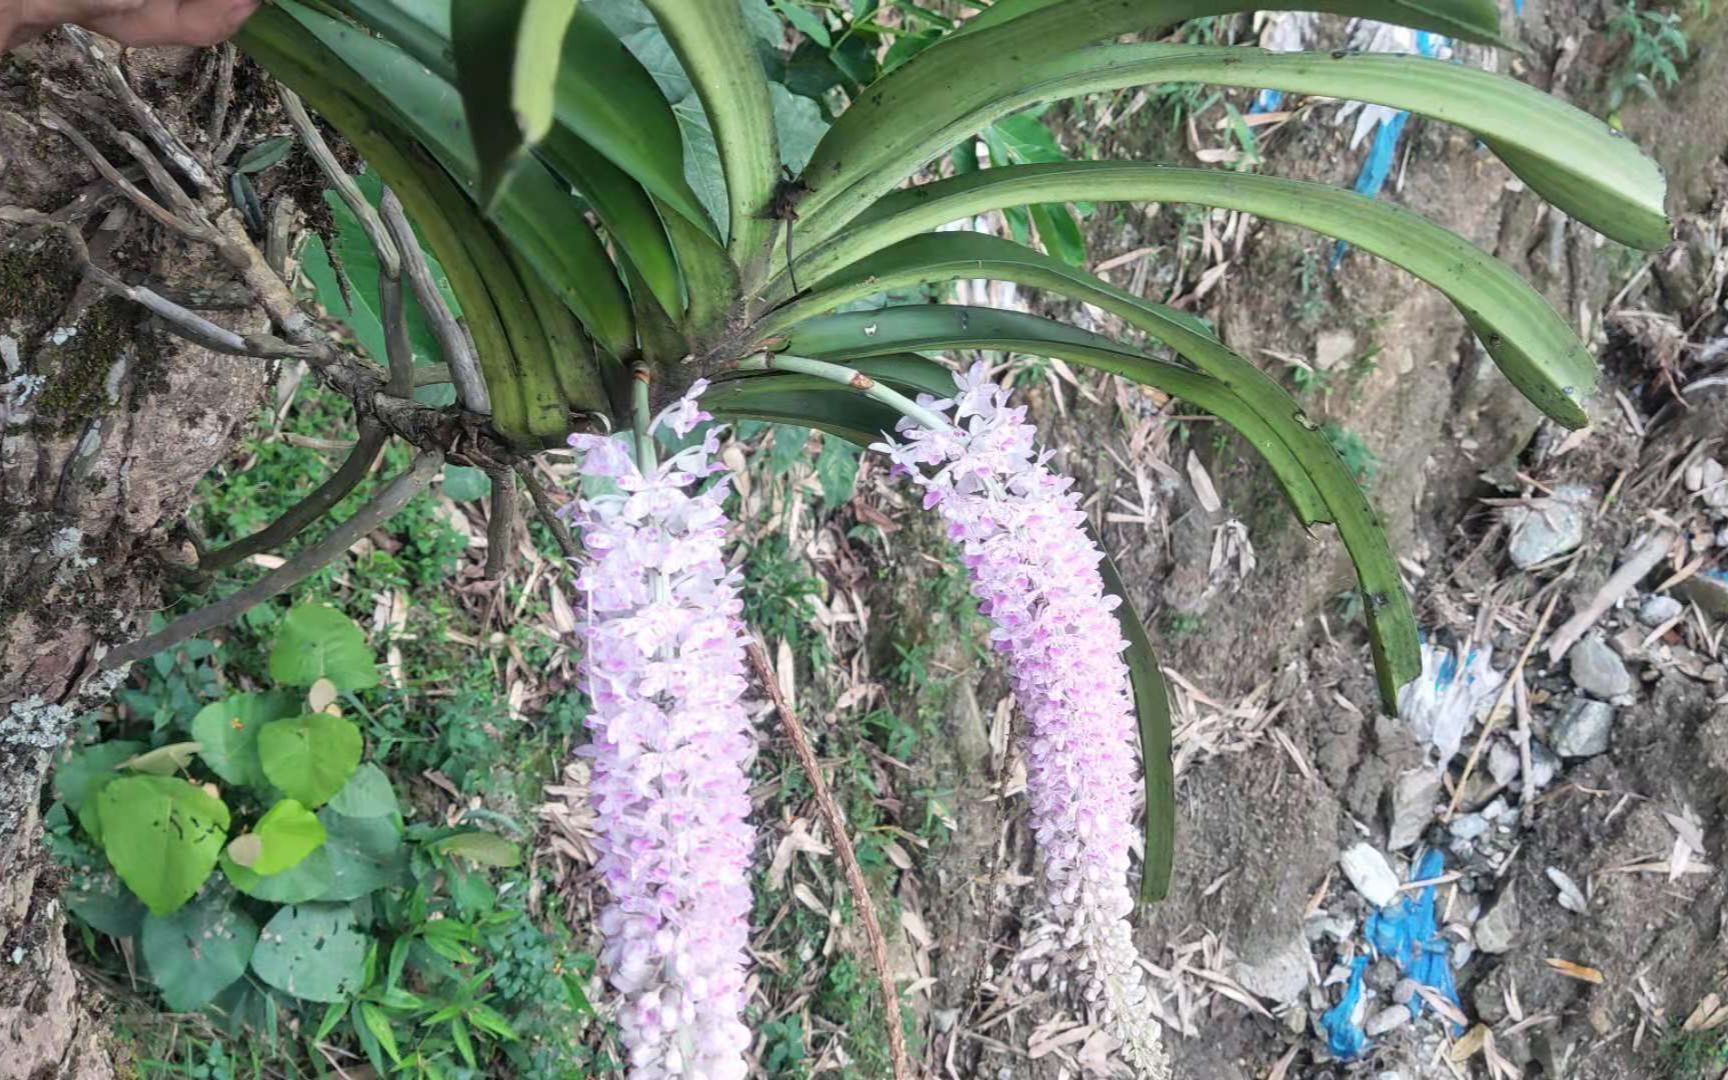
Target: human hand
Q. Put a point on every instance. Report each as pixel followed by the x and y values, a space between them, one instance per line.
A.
pixel 130 22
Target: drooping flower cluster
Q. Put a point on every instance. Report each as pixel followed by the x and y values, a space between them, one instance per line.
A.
pixel 1035 572
pixel 664 666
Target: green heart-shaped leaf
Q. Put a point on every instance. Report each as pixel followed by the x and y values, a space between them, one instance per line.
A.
pixel 313 952
pixel 285 835
pixel 228 732
pixel 197 952
pixel 309 757
pixel 318 642
pixel 162 835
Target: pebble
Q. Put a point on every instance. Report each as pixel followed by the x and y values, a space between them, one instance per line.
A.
pixel 1468 826
pixel 1498 926
pixel 1657 609
pixel 1414 796
pixel 1582 730
pixel 1503 762
pixel 1325 925
pixel 1369 874
pixel 1597 670
pixel 1390 1018
pixel 1552 526
pixel 1381 976
pixel 1544 764
pixel 1490 1002
pixel 1571 896
pixel 1709 590
pixel 1404 991
pixel 1279 976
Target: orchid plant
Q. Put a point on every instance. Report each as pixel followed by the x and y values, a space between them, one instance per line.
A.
pixel 631 216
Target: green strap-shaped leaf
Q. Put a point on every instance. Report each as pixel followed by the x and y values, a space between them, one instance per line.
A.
pixel 626 211
pixel 944 326
pixel 889 130
pixel 610 101
pixel 1391 624
pixel 720 57
pixel 1152 711
pixel 1566 155
pixel 788 399
pixel 507 59
pixel 1529 341
pixel 536 213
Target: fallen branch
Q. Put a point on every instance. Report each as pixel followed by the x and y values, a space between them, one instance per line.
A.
pixel 301 566
pixel 836 825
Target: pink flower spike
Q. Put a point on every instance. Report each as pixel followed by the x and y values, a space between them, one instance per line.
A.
pixel 663 664
pixel 1035 572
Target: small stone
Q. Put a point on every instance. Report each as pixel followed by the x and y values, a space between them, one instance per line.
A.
pixel 1333 347
pixel 1597 670
pixel 1369 874
pixel 1494 931
pixel 1321 926
pixel 1657 609
pixel 1467 826
pixel 1280 976
pixel 1412 800
pixel 1715 488
pixel 1390 1018
pixel 1709 590
pixel 1544 765
pixel 1381 976
pixel 1503 762
pixel 1582 730
pixel 1549 527
pixel 1404 991
pixel 1571 897
pixel 1490 1002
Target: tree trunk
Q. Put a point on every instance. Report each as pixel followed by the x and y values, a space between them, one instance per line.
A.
pixel 106 423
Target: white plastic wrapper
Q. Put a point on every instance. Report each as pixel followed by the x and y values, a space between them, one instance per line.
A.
pixel 1449 697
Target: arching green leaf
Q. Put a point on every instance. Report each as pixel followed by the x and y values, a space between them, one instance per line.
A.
pixel 1391 624
pixel 1152 711
pixel 898 123
pixel 1532 344
pixel 507 58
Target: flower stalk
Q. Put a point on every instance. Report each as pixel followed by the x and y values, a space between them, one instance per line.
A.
pixel 1035 571
pixel 671 743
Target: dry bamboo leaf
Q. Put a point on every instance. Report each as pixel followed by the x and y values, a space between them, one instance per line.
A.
pixel 1576 971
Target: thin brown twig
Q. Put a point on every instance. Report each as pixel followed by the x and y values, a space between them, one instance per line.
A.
pixel 225 55
pixel 298 568
pixel 1494 712
pixel 836 825
pixel 547 512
